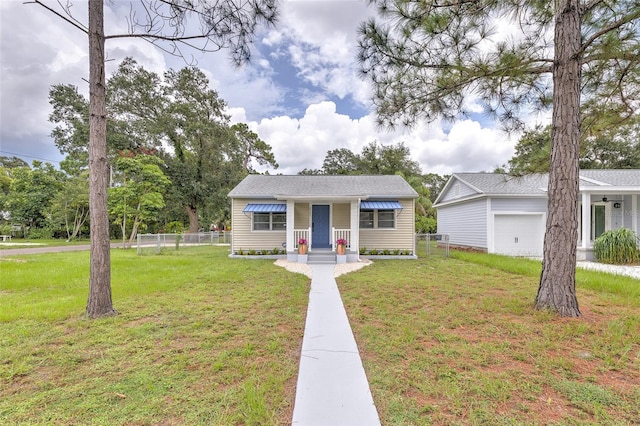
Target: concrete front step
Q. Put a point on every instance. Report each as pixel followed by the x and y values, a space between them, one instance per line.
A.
pixel 322 258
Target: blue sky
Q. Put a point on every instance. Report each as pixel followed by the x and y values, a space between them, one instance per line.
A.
pixel 301 93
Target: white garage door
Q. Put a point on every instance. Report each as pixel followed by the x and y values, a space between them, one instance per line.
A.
pixel 519 234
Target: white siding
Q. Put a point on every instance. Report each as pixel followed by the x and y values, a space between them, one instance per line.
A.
pixel 466 223
pixel 530 205
pixel 462 190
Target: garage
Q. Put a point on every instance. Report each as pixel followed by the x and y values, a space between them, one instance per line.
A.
pixel 518 234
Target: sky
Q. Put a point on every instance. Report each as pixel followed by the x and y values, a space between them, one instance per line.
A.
pixel 301 92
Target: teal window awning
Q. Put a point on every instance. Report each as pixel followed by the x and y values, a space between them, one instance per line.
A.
pixel 265 208
pixel 380 205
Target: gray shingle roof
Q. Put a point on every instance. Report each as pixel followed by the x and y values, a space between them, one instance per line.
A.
pixel 268 186
pixel 496 183
pixel 536 184
pixel 629 177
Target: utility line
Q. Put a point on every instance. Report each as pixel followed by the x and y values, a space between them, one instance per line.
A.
pixel 29 156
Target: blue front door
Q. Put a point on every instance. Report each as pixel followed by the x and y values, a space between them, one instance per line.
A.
pixel 320 227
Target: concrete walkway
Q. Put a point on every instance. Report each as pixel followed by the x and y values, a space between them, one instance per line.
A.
pixel 332 385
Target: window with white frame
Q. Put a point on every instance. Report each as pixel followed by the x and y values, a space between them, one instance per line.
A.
pixel 269 221
pixel 374 218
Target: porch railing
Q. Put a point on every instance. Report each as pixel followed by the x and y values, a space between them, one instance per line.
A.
pixel 336 234
pixel 299 234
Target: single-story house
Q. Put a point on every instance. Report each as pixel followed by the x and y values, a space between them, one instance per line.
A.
pixel 506 214
pixel 376 212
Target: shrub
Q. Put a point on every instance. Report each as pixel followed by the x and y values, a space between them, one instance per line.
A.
pixel 373 252
pixel 174 227
pixel 252 252
pixel 240 252
pixel 40 233
pixel 363 250
pixel 6 229
pixel 618 246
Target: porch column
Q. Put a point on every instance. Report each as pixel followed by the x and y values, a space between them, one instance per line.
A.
pixel 291 205
pixel 586 219
pixel 634 213
pixel 355 227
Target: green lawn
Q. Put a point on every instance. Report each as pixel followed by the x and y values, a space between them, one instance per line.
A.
pixel 200 339
pixel 204 339
pixel 18 243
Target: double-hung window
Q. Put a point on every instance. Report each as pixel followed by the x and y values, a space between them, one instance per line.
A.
pixel 270 221
pixel 377 218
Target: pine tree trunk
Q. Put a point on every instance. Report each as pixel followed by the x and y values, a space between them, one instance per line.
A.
pixel 557 291
pixel 99 303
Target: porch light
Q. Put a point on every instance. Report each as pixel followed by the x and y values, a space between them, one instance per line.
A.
pixel 604 199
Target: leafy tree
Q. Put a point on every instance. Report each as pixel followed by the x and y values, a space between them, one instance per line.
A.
pixel 532 152
pixel 31 193
pixel 425 213
pixel 613 148
pixel 11 162
pixel 341 161
pixel 310 172
pixel 197 129
pixel 375 159
pixel 435 183
pixel 249 146
pixel 434 56
pixel 610 148
pixel 136 196
pixel 378 159
pixel 223 24
pixel 70 206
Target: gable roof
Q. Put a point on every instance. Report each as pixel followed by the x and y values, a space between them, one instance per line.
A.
pixel 361 186
pixel 601 177
pixel 535 185
pixel 503 184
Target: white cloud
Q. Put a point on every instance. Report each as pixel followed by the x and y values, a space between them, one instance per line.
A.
pixel 303 143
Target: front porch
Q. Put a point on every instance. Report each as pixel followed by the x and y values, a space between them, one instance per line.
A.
pixel 320 223
pixel 615 208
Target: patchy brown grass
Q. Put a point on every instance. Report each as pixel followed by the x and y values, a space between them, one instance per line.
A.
pixel 449 342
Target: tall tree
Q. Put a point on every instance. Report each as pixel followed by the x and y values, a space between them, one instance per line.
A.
pixel 430 58
pixel 607 148
pixel 31 193
pixel 250 147
pixel 137 193
pixel 197 129
pixel 378 159
pixel 223 24
pixel 532 152
pixel 340 161
pixel 70 209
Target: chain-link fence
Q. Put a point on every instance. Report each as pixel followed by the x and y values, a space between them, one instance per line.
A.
pixel 155 243
pixel 432 245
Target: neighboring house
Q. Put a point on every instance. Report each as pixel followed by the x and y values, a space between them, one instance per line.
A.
pixel 376 212
pixel 506 214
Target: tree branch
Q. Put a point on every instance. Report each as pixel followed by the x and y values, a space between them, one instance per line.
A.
pixel 617 24
pixel 72 22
